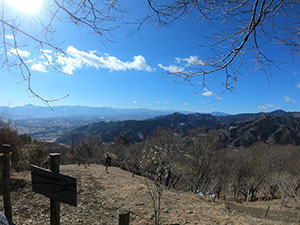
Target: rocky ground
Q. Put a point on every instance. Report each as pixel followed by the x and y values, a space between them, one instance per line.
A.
pixel 100 194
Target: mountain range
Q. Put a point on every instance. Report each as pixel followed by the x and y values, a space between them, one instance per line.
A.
pixel 277 127
pixel 136 124
pixel 104 113
pixel 47 124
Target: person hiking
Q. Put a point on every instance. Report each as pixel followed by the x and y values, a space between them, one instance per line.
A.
pixel 107 161
pixel 168 177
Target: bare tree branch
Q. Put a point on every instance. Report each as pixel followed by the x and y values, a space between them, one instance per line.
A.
pixel 240 28
pixel 238 35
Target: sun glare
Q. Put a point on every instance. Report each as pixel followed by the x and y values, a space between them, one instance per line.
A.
pixel 26 6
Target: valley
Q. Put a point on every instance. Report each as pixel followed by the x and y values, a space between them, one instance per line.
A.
pixel 277 127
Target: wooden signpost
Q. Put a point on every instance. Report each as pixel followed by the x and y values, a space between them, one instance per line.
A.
pixel 56 186
pixel 6 180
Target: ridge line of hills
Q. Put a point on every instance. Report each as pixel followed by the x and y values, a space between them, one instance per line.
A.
pixel 277 127
pixel 105 113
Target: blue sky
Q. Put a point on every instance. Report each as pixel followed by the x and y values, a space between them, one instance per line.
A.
pixel 130 72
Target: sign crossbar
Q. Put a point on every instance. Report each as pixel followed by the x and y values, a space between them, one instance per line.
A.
pixel 54 185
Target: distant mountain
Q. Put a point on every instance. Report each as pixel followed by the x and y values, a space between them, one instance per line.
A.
pixel 219 114
pixel 245 116
pixel 238 130
pixel 136 130
pixel 42 123
pixel 47 124
pixel 104 113
pixel 284 128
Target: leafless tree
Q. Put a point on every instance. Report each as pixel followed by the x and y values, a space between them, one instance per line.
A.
pixel 98 16
pixel 199 159
pixel 239 31
pixel 236 42
pixel 157 163
pixel 252 169
pixel 86 150
pixel 287 176
pixel 133 155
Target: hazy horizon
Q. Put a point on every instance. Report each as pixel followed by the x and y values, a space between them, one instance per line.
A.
pixel 140 108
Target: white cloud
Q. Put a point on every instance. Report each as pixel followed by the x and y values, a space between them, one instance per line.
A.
pixel 298 85
pixel 192 60
pixel 93 51
pixel 288 99
pixel 271 106
pixel 267 106
pixel 69 64
pixel 171 68
pixel 76 59
pixel 39 67
pixel 46 51
pixel 9 37
pixel 20 52
pixel 218 98
pixel 39 64
pixel 47 59
pixel 28 61
pixel 134 102
pixel 140 63
pixel 262 107
pixel 207 93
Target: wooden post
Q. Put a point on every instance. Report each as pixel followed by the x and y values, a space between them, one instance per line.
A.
pixel 6 181
pixel 54 205
pixel 267 211
pixel 123 216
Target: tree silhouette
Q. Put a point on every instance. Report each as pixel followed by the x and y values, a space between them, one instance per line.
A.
pixel 236 41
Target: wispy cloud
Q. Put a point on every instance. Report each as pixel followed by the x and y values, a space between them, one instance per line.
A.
pixel 46 57
pixel 262 107
pixel 172 68
pixel 9 37
pixel 288 99
pixel 77 59
pixel 218 98
pixel 207 93
pixel 39 67
pixel 192 60
pixel 298 85
pixel 267 106
pixel 20 52
pixel 48 51
pixel 134 102
pixel 186 103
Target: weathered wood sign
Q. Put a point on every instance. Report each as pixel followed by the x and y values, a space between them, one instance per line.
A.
pixel 54 185
pixel 6 180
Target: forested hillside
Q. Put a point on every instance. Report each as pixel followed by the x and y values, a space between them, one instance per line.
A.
pixel 277 127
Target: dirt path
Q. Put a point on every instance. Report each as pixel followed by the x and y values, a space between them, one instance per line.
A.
pixel 100 194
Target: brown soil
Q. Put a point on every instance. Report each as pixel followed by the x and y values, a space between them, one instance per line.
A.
pixel 100 194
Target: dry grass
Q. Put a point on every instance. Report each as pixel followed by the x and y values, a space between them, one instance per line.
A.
pixel 100 194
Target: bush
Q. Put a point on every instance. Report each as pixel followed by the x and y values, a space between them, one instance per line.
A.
pixel 33 154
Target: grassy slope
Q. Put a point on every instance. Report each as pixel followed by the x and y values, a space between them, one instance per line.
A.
pixel 100 195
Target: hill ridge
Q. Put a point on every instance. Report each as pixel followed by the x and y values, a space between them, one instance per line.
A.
pixel 237 130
